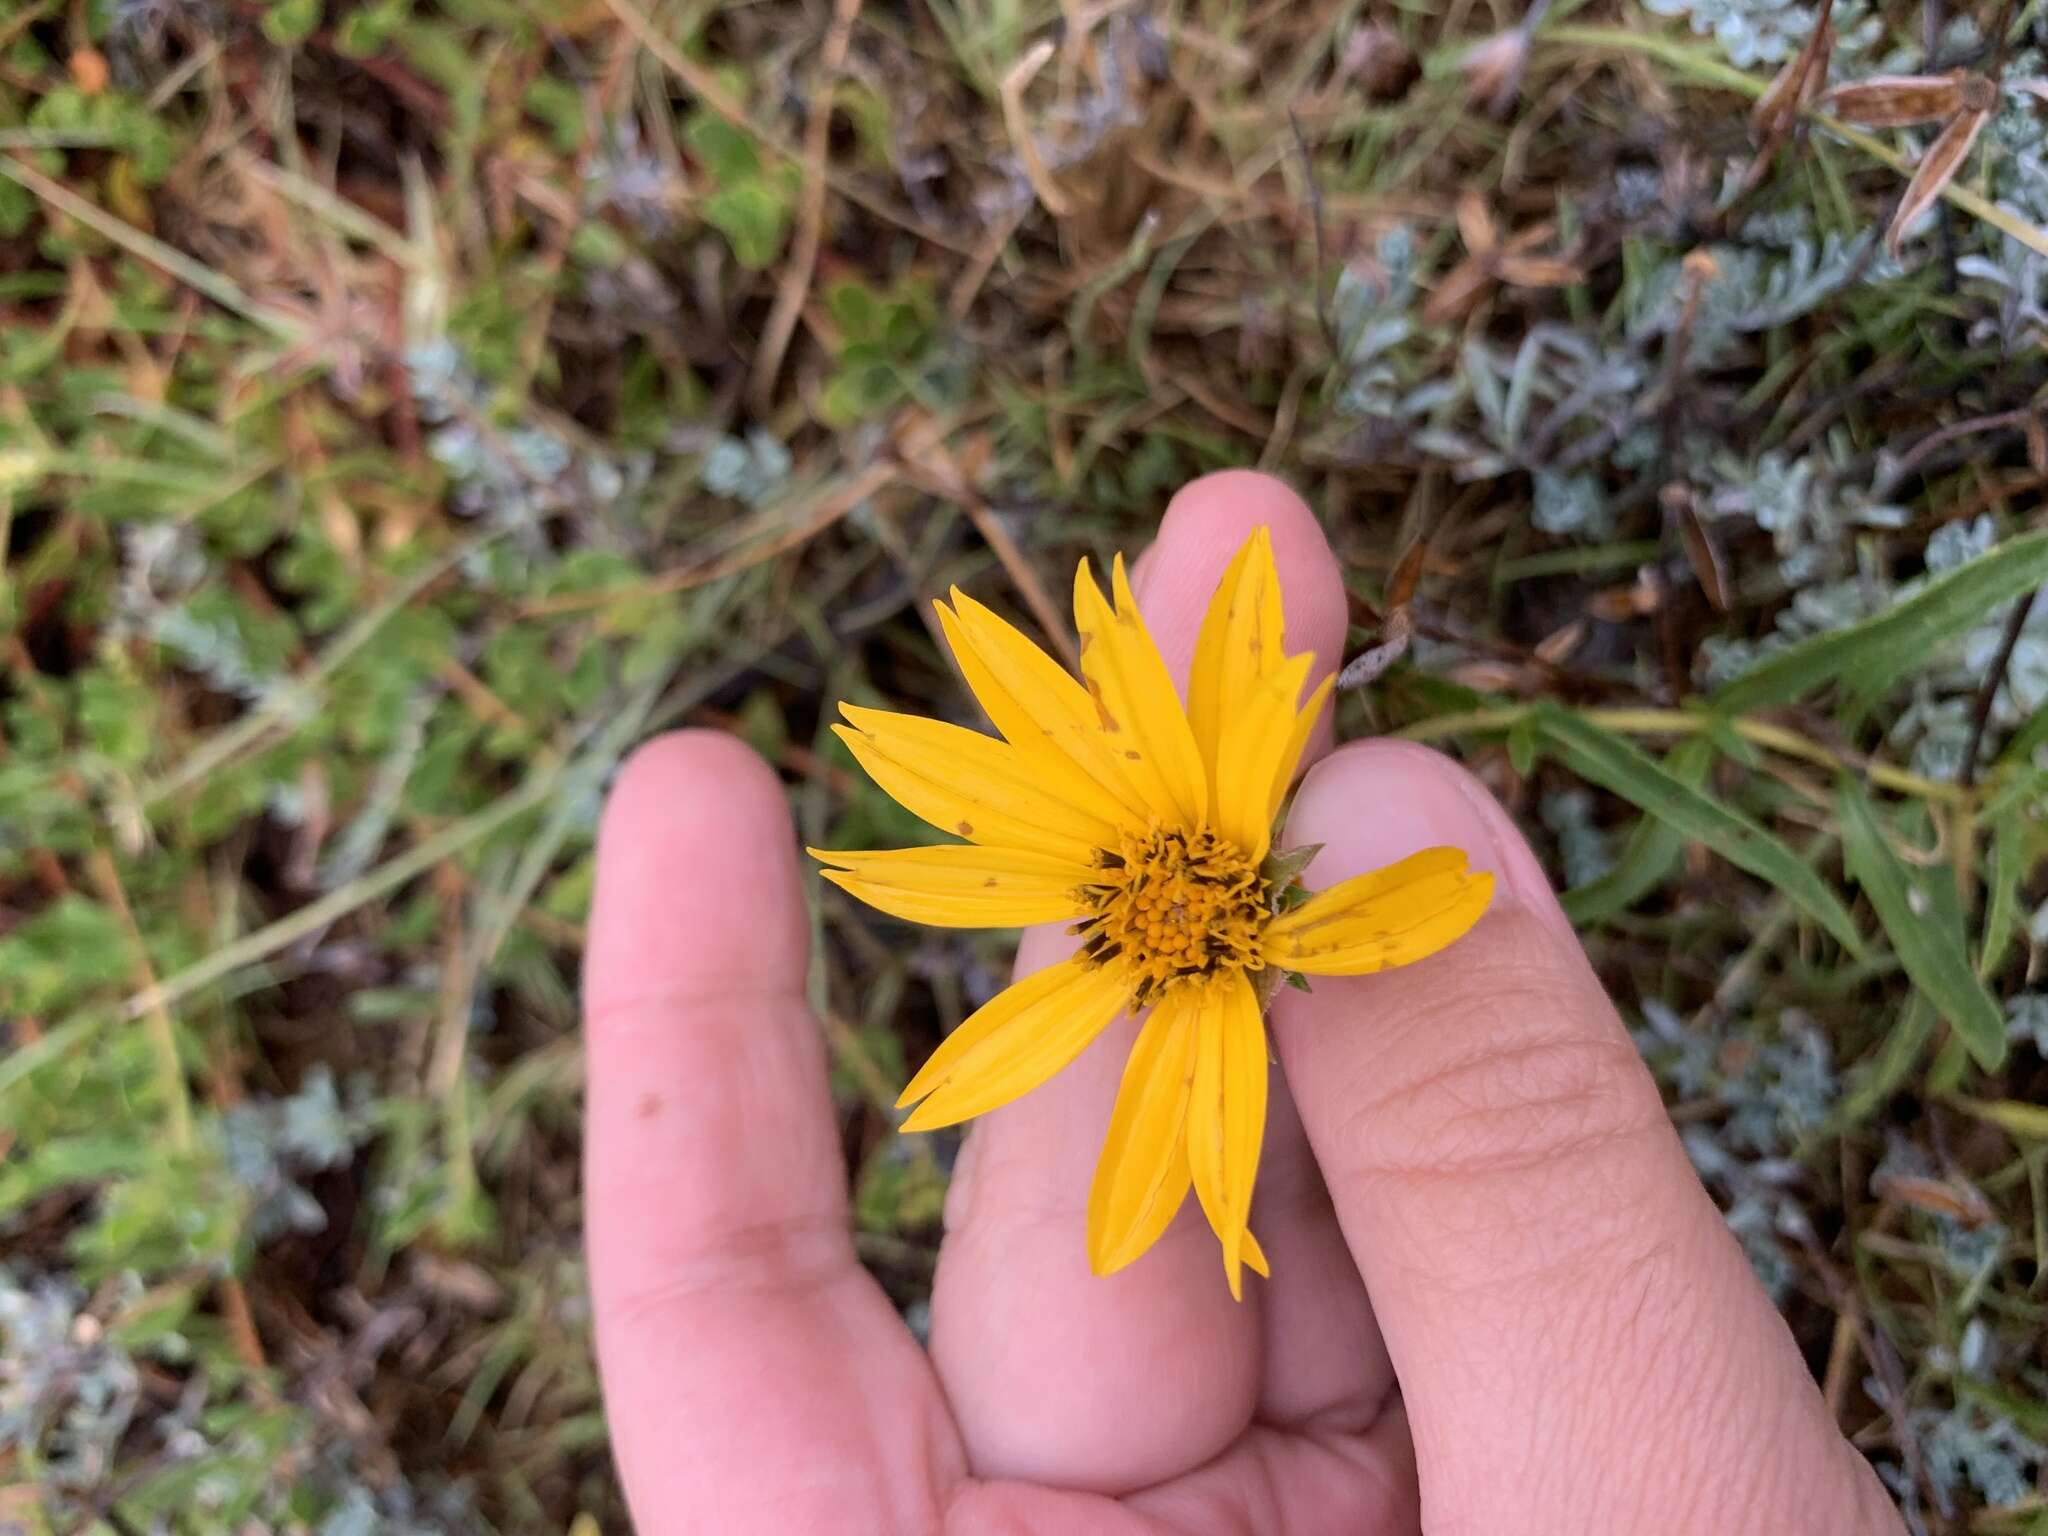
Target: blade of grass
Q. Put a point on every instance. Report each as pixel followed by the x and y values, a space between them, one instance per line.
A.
pixel 1880 648
pixel 1613 763
pixel 1896 1057
pixel 2002 906
pixel 1925 931
pixel 144 247
pixel 1652 848
pixel 2028 1122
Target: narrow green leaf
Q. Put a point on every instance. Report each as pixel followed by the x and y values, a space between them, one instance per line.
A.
pixel 1951 1063
pixel 2008 869
pixel 1886 1071
pixel 1609 761
pixel 1652 849
pixel 2027 1121
pixel 1880 648
pixel 2027 739
pixel 1524 746
pixel 1929 944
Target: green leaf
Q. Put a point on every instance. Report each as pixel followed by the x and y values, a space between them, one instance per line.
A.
pixel 853 305
pixel 1896 1056
pixel 1607 760
pixel 752 217
pixel 1925 931
pixel 1951 1061
pixel 17 207
pixel 2028 1122
pixel 2008 869
pixel 291 21
pixel 1653 847
pixel 1525 746
pixel 728 152
pixel 858 393
pixel 2020 749
pixel 1878 649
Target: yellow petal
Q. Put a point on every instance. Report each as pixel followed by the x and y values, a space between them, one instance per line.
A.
pixel 1389 917
pixel 1227 1114
pixel 1256 740
pixel 1136 704
pixel 1243 637
pixel 1015 1041
pixel 957 885
pixel 1041 711
pixel 1297 743
pixel 1143 1174
pixel 969 784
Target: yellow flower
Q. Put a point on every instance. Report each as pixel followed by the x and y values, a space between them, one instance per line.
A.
pixel 1147 825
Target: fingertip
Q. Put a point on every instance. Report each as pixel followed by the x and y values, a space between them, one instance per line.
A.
pixel 1373 803
pixel 1226 506
pixel 697 881
pixel 666 778
pixel 1204 526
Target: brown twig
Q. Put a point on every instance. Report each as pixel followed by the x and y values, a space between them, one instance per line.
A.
pixel 803 251
pixel 1980 713
pixel 1011 94
pixel 829 510
pixel 1315 213
pixel 1912 458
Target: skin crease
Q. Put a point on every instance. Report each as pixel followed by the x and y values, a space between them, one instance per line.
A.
pixel 1470 1142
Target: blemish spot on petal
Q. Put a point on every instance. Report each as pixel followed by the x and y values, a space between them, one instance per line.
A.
pixel 1103 717
pixel 966 829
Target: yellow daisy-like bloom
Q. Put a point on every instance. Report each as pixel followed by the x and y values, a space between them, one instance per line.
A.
pixel 1148 826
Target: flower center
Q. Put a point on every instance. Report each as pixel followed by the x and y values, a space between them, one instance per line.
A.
pixel 1173 904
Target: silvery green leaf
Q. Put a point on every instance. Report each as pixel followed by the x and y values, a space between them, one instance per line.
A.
pixel 1569 504
pixel 1487 394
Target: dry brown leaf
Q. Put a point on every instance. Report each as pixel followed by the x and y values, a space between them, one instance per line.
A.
pixel 1617 605
pixel 1797 84
pixel 1455 293
pixel 1538 272
pixel 2037 445
pixel 1701 553
pixel 1407 574
pixel 1960 1201
pixel 1475 223
pixel 1493 676
pixel 1556 648
pixel 1936 170
pixel 1900 101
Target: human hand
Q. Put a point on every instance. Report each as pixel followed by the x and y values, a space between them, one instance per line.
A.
pixel 1501 1300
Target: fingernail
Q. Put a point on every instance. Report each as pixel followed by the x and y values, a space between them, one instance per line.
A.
pixel 1375 802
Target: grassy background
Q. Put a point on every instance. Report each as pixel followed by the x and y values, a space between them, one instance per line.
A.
pixel 406 406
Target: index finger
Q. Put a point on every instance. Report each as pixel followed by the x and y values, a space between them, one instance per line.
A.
pixel 749 1363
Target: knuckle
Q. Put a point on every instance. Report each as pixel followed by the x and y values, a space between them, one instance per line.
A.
pixel 1487 1085
pixel 789 1256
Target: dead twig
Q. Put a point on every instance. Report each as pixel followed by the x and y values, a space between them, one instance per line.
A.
pixel 1987 693
pixel 803 252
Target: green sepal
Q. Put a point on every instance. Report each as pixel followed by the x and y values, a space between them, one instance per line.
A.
pixel 1282 872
